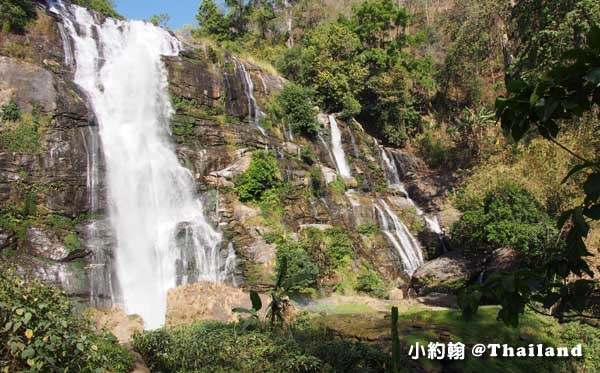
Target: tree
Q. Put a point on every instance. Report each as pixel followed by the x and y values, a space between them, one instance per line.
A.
pixel 16 14
pixel 297 109
pixel 160 20
pixel 378 22
pixel 212 21
pixel 563 282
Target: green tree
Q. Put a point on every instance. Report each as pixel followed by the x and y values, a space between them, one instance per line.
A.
pixel 160 20
pixel 212 21
pixel 563 282
pixel 16 14
pixel 296 105
pixel 508 216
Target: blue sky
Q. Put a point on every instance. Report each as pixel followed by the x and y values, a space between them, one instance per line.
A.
pixel 181 11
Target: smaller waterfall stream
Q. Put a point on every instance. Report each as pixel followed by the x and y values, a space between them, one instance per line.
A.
pixel 404 242
pixel 338 149
pixel 394 182
pixel 254 111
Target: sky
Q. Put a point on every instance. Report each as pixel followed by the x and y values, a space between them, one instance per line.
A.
pixel 181 11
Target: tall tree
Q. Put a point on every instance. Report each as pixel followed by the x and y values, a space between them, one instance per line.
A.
pixel 212 21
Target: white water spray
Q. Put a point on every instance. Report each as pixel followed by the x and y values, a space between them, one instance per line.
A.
pixel 163 238
pixel 338 149
pixel 393 179
pixel 254 111
pixel 398 234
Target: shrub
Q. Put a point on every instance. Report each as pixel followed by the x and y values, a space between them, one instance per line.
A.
pixel 308 155
pixel 339 247
pixel 15 14
pixel 297 109
pixel 39 332
pixel 222 348
pixel 370 282
pixel 261 175
pixel 317 182
pixel 508 216
pixel 11 111
pixel 72 241
pixel 301 271
pixel 21 133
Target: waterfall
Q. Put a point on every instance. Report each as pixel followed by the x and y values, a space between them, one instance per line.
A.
pixel 254 111
pixel 393 180
pixel 398 234
pixel 162 235
pixel 338 149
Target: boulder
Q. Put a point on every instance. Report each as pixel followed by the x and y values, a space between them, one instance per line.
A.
pixel 445 274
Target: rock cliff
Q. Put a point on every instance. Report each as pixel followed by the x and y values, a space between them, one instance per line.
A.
pixel 50 196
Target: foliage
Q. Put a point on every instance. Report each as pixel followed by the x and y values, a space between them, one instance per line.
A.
pixel 369 282
pixel 308 154
pixel 331 249
pixel 160 20
pixel 474 54
pixel 508 216
pixel 40 333
pixel 261 176
pixel 212 21
pixel 297 109
pixel 16 14
pixel 295 266
pixel 543 31
pixel 221 347
pixel 11 111
pixel 209 346
pixel 22 135
pixel 104 7
pixel 317 182
pixel 568 90
pixel 72 241
pixel 367 228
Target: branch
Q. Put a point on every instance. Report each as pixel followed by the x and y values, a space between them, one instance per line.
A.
pixel 576 316
pixel 568 150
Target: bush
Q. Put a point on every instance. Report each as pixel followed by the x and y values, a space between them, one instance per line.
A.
pixel 297 109
pixel 339 247
pixel 72 241
pixel 308 155
pixel 261 175
pixel 11 111
pixel 507 216
pixel 219 347
pixel 39 332
pixel 369 282
pixel 15 14
pixel 301 271
pixel 210 346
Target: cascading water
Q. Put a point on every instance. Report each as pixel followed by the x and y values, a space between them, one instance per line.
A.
pixel 338 149
pixel 393 180
pixel 254 111
pixel 163 237
pixel 404 242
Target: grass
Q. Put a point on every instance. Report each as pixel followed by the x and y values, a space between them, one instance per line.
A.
pixel 351 308
pixel 417 324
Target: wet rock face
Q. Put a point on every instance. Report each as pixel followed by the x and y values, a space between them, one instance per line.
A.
pixel 52 177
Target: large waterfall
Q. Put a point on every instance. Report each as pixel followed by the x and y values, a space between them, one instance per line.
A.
pixel 338 149
pixel 163 238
